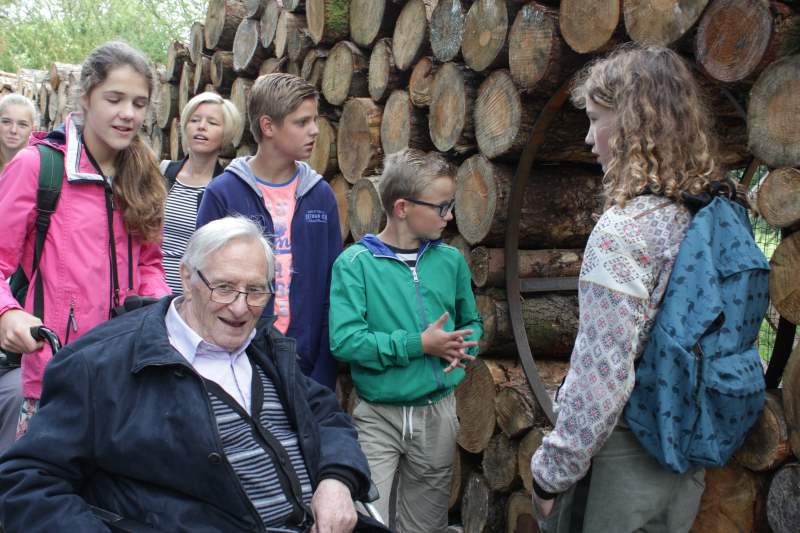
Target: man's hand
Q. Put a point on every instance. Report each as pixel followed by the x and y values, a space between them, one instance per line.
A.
pixel 15 331
pixel 333 508
pixel 542 508
pixel 449 345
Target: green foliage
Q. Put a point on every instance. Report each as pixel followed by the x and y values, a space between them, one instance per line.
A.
pixel 35 33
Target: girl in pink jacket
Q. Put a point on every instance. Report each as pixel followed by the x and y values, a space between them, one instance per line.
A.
pixel 106 163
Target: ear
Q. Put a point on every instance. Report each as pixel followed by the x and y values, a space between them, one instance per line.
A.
pixel 266 125
pixel 399 209
pixel 186 282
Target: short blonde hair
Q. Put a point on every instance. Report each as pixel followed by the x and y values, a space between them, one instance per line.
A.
pixel 18 99
pixel 407 173
pixel 231 118
pixel 276 95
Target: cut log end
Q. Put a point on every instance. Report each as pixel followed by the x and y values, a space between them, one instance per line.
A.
pixel 661 23
pixel 773 131
pixel 784 291
pixel 410 34
pixel 778 197
pixel 358 142
pixel 589 26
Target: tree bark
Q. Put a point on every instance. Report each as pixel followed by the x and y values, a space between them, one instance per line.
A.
pixel 784 291
pixel 557 208
pixel 773 131
pixel 447 30
pixel 222 19
pixel 779 197
pixel 271 65
pixel 358 143
pixel 732 501
pixel 222 74
pixel 500 463
pixel 167 105
pixel 767 443
pixel 661 23
pixel 450 118
pixel 175 145
pixel 475 406
pixel 364 209
pixel 197 42
pixel 341 189
pixel 485 27
pixel 313 66
pixel 589 27
pixel 186 86
pixel 247 50
pixel 519 514
pixel 403 125
pixel 328 20
pixel 298 43
pixel 383 77
pixel 240 97
pixel 791 399
pixel 323 156
pixel 502 121
pixel 202 74
pixel 783 501
pixel 345 73
pixel 177 55
pixel 295 5
pixel 268 25
pixel 410 38
pixel 254 8
pixel 551 323
pixel 527 447
pixel 481 509
pixel 157 143
pixel 488 265
pixel 371 20
pixel 420 81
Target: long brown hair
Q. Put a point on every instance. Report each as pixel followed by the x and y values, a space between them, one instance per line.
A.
pixel 138 186
pixel 662 140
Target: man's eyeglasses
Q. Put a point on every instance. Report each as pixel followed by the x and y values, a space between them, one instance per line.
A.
pixel 227 295
pixel 443 208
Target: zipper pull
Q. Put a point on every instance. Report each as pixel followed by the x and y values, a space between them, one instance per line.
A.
pixel 72 324
pixel 414 275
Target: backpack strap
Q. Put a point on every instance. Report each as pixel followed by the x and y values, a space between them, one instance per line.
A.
pixel 51 176
pixel 170 171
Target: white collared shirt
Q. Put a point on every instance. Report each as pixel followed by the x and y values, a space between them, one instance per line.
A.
pixel 230 370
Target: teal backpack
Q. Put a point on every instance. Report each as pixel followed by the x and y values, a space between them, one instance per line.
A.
pixel 699 382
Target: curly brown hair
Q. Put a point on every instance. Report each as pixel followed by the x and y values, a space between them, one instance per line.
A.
pixel 662 141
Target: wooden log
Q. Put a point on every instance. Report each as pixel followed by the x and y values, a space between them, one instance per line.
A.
pixel 661 23
pixel 527 447
pixel 420 81
pixel 767 443
pixel 240 97
pixel 455 480
pixel 157 143
pixel 341 189
pixel 784 291
pixel 410 38
pixel 273 64
pixel 551 323
pixel 403 125
pixel 177 55
pixel 222 73
pixel 167 105
pixel 500 463
pixel 503 122
pixel 779 197
pixel 447 30
pixel 383 77
pixel 730 501
pixel 294 5
pixel 364 208
pixel 450 118
pixel 42 98
pixel 222 20
pixel 247 50
pixel 345 73
pixel 175 145
pixel 481 509
pixel 475 406
pixel 783 501
pixel 517 410
pixel 313 66
pixel 186 85
pixel 254 8
pixel 268 25
pixel 737 39
pixel 458 242
pixel 323 155
pixel 53 106
pixel 197 42
pixel 293 68
pixel 60 72
pixel 298 43
pixel 202 74
pixel 246 150
pixel 589 27
pixel 358 142
pixel 557 207
pixel 371 20
pixel 488 265
pixel 485 27
pixel 328 20
pixel 791 400
pixel 519 513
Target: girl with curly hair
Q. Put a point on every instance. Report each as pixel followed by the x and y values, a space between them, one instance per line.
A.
pixel 651 133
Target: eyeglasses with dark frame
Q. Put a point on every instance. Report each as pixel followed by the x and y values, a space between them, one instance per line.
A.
pixel 443 208
pixel 226 295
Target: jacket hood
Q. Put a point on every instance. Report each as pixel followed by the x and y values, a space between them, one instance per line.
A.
pixel 306 176
pixel 378 248
pixel 66 139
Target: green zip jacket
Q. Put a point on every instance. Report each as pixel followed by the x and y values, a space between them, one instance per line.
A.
pixel 379 309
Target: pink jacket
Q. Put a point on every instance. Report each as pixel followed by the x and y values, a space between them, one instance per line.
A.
pixel 75 259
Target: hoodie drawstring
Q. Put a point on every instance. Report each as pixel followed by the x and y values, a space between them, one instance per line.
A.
pixel 408 422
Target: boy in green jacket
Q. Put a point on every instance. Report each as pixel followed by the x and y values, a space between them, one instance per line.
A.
pixel 403 315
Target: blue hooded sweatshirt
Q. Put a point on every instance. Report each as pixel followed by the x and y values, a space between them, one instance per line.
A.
pixel 316 242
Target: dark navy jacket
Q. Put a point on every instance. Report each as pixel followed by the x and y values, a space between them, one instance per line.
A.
pixel 125 424
pixel 316 242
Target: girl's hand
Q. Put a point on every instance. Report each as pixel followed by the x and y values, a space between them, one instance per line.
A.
pixel 15 331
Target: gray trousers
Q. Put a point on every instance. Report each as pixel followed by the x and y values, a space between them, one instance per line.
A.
pixel 631 492
pixel 416 444
pixel 10 403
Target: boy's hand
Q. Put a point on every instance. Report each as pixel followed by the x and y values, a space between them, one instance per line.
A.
pixel 449 345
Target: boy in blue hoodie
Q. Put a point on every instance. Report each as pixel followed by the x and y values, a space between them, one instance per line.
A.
pixel 296 208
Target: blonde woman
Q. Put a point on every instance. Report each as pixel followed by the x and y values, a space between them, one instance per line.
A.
pixel 651 133
pixel 17 117
pixel 208 122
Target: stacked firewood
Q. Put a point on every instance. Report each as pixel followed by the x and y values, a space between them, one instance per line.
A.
pixel 469 79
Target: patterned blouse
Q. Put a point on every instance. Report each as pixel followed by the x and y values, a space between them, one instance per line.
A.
pixel 625 271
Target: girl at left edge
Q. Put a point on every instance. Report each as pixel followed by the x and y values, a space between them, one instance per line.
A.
pixel 104 159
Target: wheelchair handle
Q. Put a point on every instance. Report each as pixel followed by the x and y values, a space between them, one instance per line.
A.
pixel 43 333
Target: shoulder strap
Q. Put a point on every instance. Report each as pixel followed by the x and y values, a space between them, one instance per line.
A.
pixel 170 171
pixel 51 176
